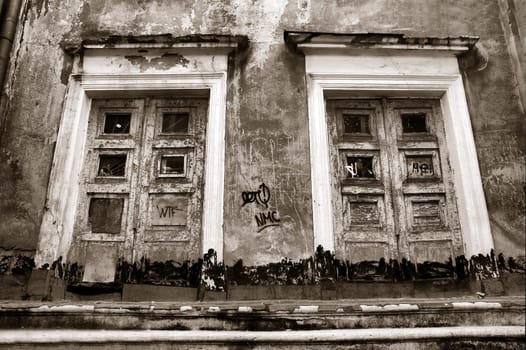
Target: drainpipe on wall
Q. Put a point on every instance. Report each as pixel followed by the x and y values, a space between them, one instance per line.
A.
pixel 8 20
pixel 1 8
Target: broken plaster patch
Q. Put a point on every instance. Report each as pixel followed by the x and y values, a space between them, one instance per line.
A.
pixel 163 62
pixel 188 20
pixel 307 309
pixel 304 8
pixel 64 308
pixel 476 305
pixel 244 309
pixel 389 307
pixel 263 19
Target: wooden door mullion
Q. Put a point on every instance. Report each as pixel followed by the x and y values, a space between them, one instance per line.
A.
pixel 142 181
pixel 400 228
pixel 385 138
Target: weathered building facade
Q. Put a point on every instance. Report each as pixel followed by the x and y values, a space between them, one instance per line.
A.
pixel 250 150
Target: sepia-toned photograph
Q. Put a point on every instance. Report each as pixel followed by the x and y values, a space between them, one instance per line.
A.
pixel 263 174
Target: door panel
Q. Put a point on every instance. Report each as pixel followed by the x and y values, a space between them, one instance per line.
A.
pixel 363 217
pixel 429 226
pixel 104 222
pixel 172 178
pixel 392 185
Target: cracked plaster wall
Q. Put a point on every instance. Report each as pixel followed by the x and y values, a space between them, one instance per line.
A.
pixel 267 126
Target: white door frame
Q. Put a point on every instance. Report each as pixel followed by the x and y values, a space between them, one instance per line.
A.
pixel 378 74
pixel 56 232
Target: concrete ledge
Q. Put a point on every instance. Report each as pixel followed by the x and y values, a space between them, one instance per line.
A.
pixel 52 336
pixel 270 315
pixel 267 306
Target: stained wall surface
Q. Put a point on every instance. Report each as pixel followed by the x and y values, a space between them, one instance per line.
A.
pixel 267 121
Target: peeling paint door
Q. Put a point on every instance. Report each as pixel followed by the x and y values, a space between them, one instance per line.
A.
pixel 393 194
pixel 171 180
pixel 141 183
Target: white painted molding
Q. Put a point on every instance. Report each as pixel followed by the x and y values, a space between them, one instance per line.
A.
pixel 314 47
pixel 82 336
pixel 320 173
pixel 57 226
pixel 390 75
pixel 312 42
pixel 228 46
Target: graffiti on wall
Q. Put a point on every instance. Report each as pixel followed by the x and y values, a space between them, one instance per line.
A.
pixel 267 219
pixel 261 196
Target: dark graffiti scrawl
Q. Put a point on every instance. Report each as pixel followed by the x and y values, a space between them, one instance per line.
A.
pixel 266 218
pixel 261 196
pixel 322 266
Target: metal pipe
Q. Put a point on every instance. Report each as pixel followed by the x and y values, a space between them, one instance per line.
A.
pixel 1 9
pixel 7 34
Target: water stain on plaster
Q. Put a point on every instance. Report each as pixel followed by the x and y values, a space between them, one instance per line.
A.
pixel 166 61
pixel 15 216
pixel 263 21
pixel 67 68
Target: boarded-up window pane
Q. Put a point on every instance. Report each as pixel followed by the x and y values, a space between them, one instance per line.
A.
pixel 105 215
pixel 360 167
pixel 438 251
pixel 414 122
pixel 172 165
pixel 419 166
pixel 364 213
pixel 359 252
pixel 356 124
pixel 427 213
pixel 175 123
pixel 112 165
pixel 117 123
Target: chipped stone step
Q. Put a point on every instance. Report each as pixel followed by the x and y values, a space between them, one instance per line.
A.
pixel 265 315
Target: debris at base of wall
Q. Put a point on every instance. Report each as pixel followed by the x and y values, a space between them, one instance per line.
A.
pixel 322 270
pixel 16 265
pixel 213 272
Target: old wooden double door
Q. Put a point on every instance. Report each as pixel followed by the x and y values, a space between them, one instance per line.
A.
pixel 141 183
pixel 392 189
